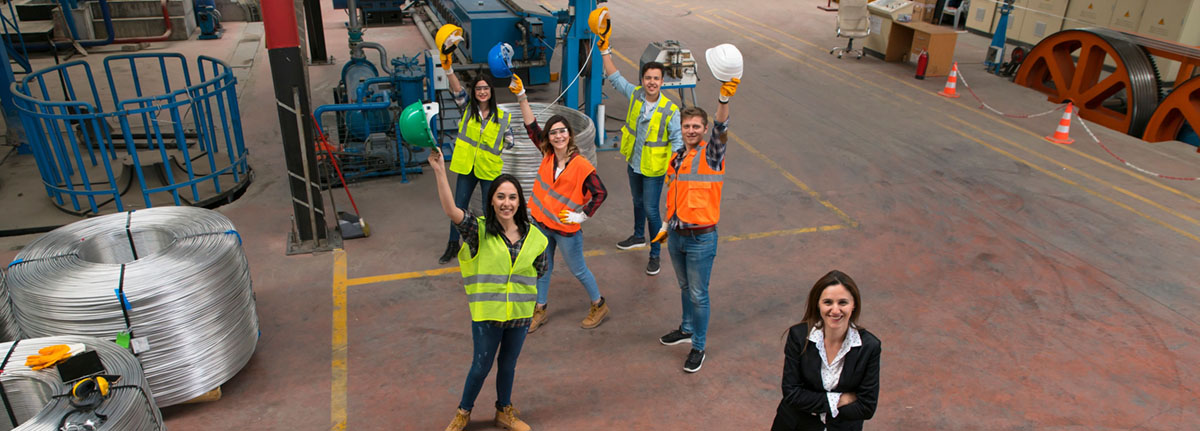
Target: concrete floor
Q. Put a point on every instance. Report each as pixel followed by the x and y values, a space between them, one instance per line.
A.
pixel 1015 284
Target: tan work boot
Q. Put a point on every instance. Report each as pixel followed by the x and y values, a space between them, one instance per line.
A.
pixel 539 319
pixel 460 421
pixel 596 315
pixel 507 419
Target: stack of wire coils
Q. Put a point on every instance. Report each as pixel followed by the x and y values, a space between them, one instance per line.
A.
pixel 523 159
pixel 39 400
pixel 172 282
pixel 8 322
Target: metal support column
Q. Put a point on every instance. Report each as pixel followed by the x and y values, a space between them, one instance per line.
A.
pixel 290 77
pixel 316 32
pixel 15 135
pixel 578 42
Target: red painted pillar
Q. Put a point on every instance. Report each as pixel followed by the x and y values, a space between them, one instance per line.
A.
pixel 290 78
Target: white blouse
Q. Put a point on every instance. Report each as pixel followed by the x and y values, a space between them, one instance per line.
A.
pixel 831 373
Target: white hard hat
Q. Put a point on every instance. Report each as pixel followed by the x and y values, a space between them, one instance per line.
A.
pixel 724 61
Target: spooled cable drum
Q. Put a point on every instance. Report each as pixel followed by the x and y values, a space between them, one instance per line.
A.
pixel 40 400
pixel 170 282
pixel 523 159
pixel 8 322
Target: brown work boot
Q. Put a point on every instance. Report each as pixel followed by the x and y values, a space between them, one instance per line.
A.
pixel 539 319
pixel 460 421
pixel 507 419
pixel 596 315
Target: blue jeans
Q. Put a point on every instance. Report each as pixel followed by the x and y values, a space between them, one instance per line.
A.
pixel 488 340
pixel 464 187
pixel 692 257
pixel 572 252
pixel 646 191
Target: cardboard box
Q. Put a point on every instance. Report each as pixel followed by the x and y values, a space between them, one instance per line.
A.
pixel 1089 13
pixel 1127 15
pixel 1164 18
pixel 918 13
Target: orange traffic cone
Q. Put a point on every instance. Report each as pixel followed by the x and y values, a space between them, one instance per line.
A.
pixel 951 81
pixel 1062 135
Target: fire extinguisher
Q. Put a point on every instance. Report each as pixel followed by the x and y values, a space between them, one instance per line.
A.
pixel 922 63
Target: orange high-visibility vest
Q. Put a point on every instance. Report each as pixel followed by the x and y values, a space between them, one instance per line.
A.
pixel 695 190
pixel 551 196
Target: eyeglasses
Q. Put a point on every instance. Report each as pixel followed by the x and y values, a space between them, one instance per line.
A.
pixel 558 131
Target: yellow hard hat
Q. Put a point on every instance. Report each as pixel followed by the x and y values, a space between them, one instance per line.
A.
pixel 598 20
pixel 444 33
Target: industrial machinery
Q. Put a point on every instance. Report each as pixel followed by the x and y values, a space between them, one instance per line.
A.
pixel 994 62
pixel 1070 66
pixel 486 23
pixel 208 18
pixel 380 10
pixel 680 66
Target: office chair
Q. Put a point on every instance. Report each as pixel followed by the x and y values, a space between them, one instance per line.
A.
pixel 853 21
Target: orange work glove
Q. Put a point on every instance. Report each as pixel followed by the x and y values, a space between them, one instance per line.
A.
pixel 516 87
pixel 662 234
pixel 571 217
pixel 48 356
pixel 728 89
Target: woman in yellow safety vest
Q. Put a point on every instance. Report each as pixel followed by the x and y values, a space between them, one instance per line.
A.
pixel 566 193
pixel 500 265
pixel 483 133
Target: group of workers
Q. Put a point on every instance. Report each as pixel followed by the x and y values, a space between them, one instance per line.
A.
pixel 507 252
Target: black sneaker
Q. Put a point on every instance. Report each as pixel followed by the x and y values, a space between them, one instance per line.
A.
pixel 694 360
pixel 652 266
pixel 451 251
pixel 632 242
pixel 675 337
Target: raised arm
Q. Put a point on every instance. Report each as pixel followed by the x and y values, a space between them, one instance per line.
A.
pixel 518 89
pixel 602 27
pixel 728 89
pixel 438 165
pixel 446 54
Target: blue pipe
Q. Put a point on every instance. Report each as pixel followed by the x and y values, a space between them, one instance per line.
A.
pixel 361 91
pixel 383 104
pixel 108 27
pixel 68 7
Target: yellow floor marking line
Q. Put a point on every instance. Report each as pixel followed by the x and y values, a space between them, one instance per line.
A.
pixel 849 221
pixel 1071 183
pixel 1112 166
pixel 590 253
pixel 337 407
pixel 777 30
pixel 623 57
pixel 1081 173
pixel 824 71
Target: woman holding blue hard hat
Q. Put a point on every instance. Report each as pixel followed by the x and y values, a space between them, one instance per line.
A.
pixel 483 132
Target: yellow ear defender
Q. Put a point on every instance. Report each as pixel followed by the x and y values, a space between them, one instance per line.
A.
pixel 86 387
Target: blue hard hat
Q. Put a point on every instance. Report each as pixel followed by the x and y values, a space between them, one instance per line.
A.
pixel 500 60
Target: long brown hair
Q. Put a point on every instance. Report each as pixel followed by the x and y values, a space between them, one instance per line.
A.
pixel 545 146
pixel 812 310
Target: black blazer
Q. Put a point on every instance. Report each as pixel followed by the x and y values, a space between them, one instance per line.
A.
pixel 805 394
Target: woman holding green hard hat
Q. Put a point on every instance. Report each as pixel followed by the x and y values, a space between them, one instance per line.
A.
pixel 483 133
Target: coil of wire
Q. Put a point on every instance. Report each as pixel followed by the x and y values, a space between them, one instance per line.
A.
pixel 186 287
pixel 32 394
pixel 523 159
pixel 8 323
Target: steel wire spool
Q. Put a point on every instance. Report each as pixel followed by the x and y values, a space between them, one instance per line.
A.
pixel 523 159
pixel 8 323
pixel 31 394
pixel 185 280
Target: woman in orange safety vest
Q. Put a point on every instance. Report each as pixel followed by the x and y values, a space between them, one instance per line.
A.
pixel 566 193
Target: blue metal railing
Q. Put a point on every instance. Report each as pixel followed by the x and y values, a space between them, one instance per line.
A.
pixel 182 141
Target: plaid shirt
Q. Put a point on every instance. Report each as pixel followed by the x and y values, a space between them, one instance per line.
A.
pixel 469 230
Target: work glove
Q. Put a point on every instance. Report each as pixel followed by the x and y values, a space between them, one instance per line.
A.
pixel 517 87
pixel 728 89
pixel 601 27
pixel 50 355
pixel 661 237
pixel 572 217
pixel 447 59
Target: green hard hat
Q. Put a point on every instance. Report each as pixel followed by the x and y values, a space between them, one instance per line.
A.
pixel 414 124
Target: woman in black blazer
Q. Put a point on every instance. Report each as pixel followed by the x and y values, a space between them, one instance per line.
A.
pixel 816 396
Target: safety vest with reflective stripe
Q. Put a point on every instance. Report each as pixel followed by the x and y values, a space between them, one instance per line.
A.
pixel 695 190
pixel 479 147
pixel 656 151
pixel 497 287
pixel 551 196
